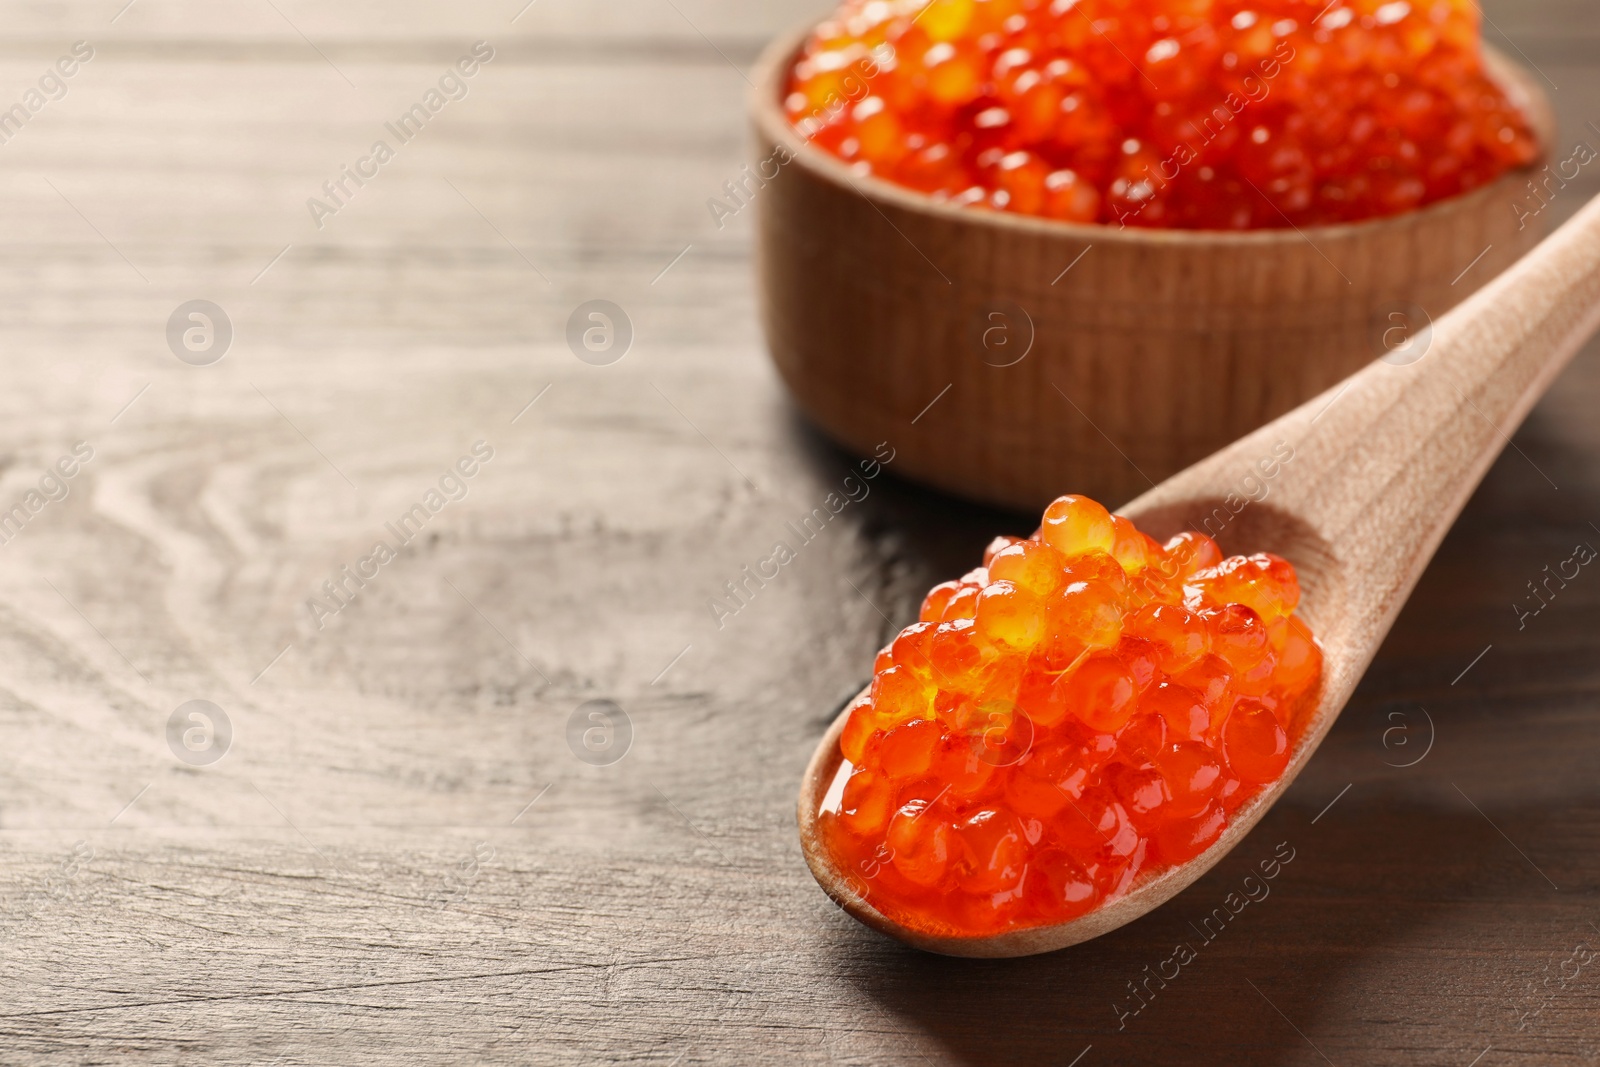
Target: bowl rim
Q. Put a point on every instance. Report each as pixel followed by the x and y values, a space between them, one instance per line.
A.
pixel 773 126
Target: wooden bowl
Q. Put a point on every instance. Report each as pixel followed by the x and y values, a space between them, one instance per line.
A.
pixel 1010 359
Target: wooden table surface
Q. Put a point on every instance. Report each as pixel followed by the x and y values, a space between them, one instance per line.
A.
pixel 400 856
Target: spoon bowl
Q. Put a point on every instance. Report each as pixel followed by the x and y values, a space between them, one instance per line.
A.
pixel 1380 466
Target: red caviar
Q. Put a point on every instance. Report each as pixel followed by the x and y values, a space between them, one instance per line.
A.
pixel 1087 707
pixel 1194 114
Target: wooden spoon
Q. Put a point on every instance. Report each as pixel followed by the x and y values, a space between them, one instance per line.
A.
pixel 1381 466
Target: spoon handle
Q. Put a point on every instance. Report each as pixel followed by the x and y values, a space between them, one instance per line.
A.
pixel 1383 462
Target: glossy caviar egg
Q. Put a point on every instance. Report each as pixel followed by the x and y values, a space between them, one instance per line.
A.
pixel 1088 707
pixel 1238 114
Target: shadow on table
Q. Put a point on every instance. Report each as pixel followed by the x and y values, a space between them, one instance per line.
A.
pixel 940 534
pixel 1362 888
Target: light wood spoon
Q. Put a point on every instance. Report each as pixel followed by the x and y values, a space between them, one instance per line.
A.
pixel 1381 466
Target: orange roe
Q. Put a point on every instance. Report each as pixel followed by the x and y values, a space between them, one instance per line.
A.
pixel 1087 707
pixel 1191 114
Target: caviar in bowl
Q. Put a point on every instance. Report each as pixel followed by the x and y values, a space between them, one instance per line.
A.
pixel 1009 353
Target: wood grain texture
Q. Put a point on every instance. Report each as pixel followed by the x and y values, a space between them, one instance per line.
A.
pixel 324 893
